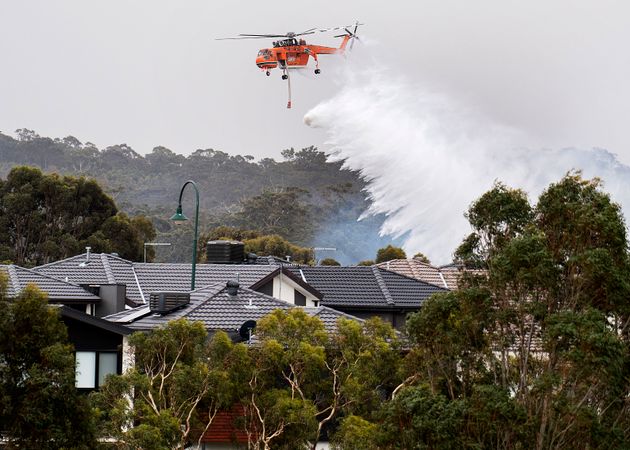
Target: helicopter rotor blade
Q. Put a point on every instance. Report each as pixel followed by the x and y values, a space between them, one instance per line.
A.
pixel 239 38
pixel 264 35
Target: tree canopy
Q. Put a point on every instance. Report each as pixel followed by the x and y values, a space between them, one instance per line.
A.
pixel 533 351
pixel 39 404
pixel 48 217
pixel 390 252
pixel 320 202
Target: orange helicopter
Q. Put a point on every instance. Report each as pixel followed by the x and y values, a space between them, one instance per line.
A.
pixel 292 52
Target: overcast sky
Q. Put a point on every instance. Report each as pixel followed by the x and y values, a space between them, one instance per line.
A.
pixel 150 73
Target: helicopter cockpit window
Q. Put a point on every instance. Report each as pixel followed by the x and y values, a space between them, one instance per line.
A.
pixel 261 53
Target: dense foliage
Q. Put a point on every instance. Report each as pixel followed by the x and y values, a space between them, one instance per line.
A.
pixel 178 385
pixel 39 404
pixel 388 253
pixel 292 384
pixel 48 217
pixel 532 352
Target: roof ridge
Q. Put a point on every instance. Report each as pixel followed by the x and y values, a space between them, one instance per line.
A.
pixel 381 284
pixel 203 302
pixel 108 269
pixel 135 276
pixel 36 268
pixel 119 258
pixel 50 277
pixel 15 280
pixel 205 286
pixel 443 279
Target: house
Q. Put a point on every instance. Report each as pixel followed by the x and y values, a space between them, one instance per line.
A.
pixel 219 306
pixel 58 291
pixel 368 291
pixel 98 343
pixel 98 346
pixel 141 279
pixel 358 291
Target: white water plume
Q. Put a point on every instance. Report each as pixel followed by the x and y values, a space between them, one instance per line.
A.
pixel 426 158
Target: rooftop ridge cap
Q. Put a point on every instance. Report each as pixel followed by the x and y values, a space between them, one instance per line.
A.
pixel 414 268
pixel 204 301
pixel 118 257
pixel 15 280
pixel 381 284
pixel 135 276
pixel 36 268
pixel 108 269
pixel 50 277
pixel 443 280
pixel 216 283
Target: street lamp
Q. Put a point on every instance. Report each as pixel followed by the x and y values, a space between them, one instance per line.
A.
pixel 180 217
pixel 153 244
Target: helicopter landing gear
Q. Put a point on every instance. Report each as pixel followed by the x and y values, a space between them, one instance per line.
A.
pixel 317 71
pixel 267 73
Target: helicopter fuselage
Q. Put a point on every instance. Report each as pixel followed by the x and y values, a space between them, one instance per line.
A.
pixel 294 54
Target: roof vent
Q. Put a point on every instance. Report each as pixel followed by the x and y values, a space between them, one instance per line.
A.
pixel 225 252
pixel 165 302
pixel 232 288
pixel 87 257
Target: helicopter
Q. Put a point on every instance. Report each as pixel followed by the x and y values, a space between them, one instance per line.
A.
pixel 293 52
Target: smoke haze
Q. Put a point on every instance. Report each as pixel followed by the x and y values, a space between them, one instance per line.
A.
pixel 427 157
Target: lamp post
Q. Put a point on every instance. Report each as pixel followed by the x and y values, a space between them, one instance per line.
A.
pixel 180 217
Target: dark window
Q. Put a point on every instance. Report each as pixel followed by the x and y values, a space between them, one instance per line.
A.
pixel 299 299
pixel 266 288
pixel 93 367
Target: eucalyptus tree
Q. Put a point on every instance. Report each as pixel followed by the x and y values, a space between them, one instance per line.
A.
pixel 532 351
pixel 39 404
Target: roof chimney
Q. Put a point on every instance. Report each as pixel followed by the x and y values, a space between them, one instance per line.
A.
pixel 232 288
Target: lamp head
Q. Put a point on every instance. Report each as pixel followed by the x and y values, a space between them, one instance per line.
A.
pixel 179 215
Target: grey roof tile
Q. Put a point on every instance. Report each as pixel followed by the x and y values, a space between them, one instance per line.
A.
pixel 143 278
pixel 78 269
pixel 56 289
pixel 367 287
pixel 176 277
pixel 217 310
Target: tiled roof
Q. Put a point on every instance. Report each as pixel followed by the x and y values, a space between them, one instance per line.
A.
pixel 176 277
pixel 78 269
pixel 217 310
pixel 143 278
pixel 445 276
pixel 56 289
pixel 363 286
pixel 224 429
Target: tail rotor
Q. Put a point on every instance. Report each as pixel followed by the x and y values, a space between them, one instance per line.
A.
pixel 352 34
